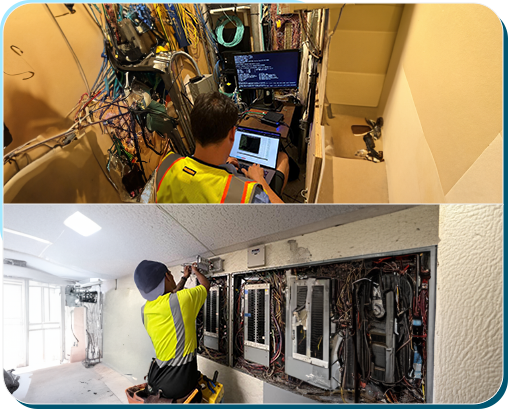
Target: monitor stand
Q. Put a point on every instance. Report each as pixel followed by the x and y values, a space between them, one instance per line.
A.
pixel 268 103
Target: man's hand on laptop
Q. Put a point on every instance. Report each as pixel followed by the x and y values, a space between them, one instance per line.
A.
pixel 255 172
pixel 233 161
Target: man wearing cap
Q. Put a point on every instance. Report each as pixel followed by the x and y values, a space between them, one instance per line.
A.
pixel 169 317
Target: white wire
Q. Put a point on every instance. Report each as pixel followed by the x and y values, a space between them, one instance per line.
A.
pixel 72 51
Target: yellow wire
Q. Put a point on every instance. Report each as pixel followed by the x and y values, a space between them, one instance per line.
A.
pixel 189 23
pixel 342 394
pixel 170 42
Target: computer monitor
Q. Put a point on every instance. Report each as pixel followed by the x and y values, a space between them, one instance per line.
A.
pixel 267 69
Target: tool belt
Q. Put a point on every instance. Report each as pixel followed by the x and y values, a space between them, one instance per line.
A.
pixel 140 394
pixel 146 394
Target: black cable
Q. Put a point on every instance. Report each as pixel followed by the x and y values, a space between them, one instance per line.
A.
pixel 143 125
pixel 137 152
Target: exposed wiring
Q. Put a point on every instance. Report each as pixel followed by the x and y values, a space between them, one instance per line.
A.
pixel 220 25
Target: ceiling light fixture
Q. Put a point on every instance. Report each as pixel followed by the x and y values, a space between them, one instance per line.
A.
pixel 26 235
pixel 82 224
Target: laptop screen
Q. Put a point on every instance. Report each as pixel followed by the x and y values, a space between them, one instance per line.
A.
pixel 256 146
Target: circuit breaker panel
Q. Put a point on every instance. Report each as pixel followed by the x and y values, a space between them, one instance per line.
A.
pixel 257 323
pixel 357 330
pixel 308 332
pixel 211 318
pixel 212 321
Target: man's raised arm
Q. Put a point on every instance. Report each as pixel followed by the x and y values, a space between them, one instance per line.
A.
pixel 182 282
pixel 201 278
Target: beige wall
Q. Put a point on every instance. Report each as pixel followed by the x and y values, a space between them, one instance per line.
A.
pixel 442 106
pixel 33 105
pixel 360 52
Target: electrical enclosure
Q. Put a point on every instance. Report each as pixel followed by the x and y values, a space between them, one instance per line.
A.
pixel 211 318
pixel 339 331
pixel 256 328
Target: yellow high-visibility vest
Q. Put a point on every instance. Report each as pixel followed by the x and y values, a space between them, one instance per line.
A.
pixel 170 322
pixel 186 180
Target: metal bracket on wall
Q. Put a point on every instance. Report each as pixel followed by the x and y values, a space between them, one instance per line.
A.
pixel 208 266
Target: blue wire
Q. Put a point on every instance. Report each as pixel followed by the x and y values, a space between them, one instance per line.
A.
pixel 217 72
pixel 103 66
pixel 94 14
pixel 210 36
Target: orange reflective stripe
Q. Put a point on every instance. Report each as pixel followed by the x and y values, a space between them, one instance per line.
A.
pixel 245 191
pixel 170 167
pixel 226 189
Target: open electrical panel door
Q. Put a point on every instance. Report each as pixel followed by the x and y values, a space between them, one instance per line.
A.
pixel 340 331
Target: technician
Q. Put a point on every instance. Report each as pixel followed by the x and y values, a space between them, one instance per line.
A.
pixel 169 318
pixel 210 175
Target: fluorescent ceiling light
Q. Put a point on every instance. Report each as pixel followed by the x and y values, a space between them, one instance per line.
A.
pixel 82 224
pixel 26 235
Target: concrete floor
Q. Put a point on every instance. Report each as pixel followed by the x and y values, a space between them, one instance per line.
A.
pixel 73 383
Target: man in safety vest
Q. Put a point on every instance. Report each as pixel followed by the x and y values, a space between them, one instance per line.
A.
pixel 169 317
pixel 210 175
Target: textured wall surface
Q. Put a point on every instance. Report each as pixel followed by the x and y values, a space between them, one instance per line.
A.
pixel 172 234
pixel 411 228
pixel 469 304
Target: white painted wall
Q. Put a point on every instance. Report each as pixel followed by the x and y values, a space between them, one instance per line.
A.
pixel 469 247
pixel 469 319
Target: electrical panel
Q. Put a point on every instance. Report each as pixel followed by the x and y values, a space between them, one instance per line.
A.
pixel 76 296
pixel 257 323
pixel 81 296
pixel 212 321
pixel 211 318
pixel 354 331
pixel 308 333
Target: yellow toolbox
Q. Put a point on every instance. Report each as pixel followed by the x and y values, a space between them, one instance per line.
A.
pixel 212 391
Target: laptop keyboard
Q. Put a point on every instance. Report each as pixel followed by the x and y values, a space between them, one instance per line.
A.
pixel 244 166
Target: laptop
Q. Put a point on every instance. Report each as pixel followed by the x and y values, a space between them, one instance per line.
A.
pixel 256 146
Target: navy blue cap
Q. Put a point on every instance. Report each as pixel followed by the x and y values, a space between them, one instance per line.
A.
pixel 150 279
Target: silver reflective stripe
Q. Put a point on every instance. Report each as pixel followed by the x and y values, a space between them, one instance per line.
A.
pixel 178 324
pixel 177 361
pixel 143 318
pixel 165 165
pixel 236 189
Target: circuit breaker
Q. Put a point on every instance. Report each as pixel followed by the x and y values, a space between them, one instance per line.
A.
pixel 308 333
pixel 211 318
pixel 257 323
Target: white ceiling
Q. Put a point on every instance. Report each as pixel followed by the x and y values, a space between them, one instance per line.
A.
pixel 169 233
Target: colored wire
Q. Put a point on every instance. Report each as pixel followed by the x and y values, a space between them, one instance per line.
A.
pixel 222 21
